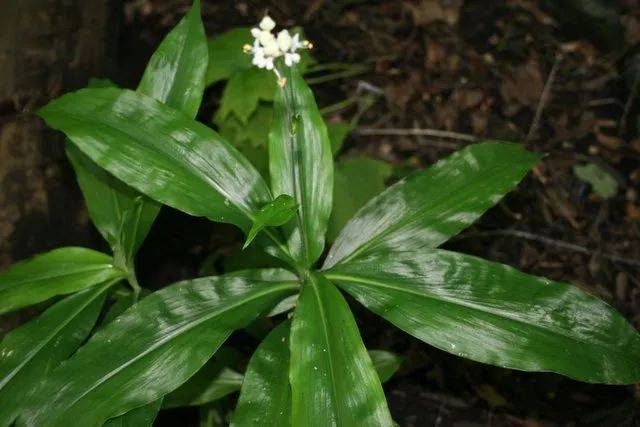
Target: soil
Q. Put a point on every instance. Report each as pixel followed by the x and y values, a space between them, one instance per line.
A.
pixel 482 69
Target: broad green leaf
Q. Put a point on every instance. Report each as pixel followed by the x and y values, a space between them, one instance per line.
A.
pixel 245 90
pixel 494 314
pixel 254 133
pixel 265 398
pixel 174 76
pixel 153 347
pixel 30 352
pixel 216 379
pixel 109 200
pixel 274 214
pixel 141 214
pixel 249 138
pixel 301 165
pixel 161 152
pixel 604 185
pixel 385 363
pixel 144 416
pixel 338 132
pixel 176 72
pixel 226 56
pixel 58 272
pixel 333 380
pixel 356 180
pixel 429 207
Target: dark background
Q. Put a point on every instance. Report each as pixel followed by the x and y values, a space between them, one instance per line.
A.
pixel 475 67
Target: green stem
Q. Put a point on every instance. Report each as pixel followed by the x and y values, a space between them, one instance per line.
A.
pixel 338 105
pixel 338 75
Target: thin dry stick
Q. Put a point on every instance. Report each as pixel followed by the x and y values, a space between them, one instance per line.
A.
pixel 544 98
pixel 627 107
pixel 553 242
pixel 416 132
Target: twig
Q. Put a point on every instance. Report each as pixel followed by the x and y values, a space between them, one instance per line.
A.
pixel 552 242
pixel 544 98
pixel 416 132
pixel 627 107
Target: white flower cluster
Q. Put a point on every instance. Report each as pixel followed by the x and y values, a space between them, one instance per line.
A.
pixel 267 47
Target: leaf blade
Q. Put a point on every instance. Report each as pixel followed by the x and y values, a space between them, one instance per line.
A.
pixel 333 381
pixel 31 351
pixel 161 152
pixel 57 272
pixel 274 214
pixel 143 416
pixel 429 207
pixel 495 314
pixel 265 397
pixel 385 363
pixel 148 340
pixel 301 164
pixel 175 74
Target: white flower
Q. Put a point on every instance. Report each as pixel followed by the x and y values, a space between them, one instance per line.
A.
pixel 267 47
pixel 291 58
pixel 267 24
pixel 284 40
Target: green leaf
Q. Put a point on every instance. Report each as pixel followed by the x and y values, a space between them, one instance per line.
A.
pixel 144 416
pixel 301 165
pixel 30 352
pixel 427 208
pixel 249 138
pixel 385 363
pixel 161 152
pixel 226 56
pixel 109 201
pixel 265 398
pixel 338 132
pixel 604 185
pixel 494 314
pixel 211 415
pixel 141 214
pixel 58 272
pixel 254 133
pixel 356 180
pixel 245 90
pixel 215 380
pixel 174 76
pixel 274 214
pixel 176 72
pixel 153 347
pixel 333 380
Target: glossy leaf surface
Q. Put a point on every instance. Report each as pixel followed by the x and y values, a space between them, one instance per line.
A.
pixel 30 352
pixel 356 181
pixel 174 76
pixel 429 207
pixel 217 378
pixel 152 348
pixel 492 313
pixel 143 416
pixel 176 72
pixel 58 272
pixel 108 201
pixel 265 398
pixel 161 152
pixel 301 164
pixel 385 363
pixel 333 380
pixel 275 213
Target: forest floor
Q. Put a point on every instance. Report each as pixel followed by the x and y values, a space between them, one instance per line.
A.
pixel 511 70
